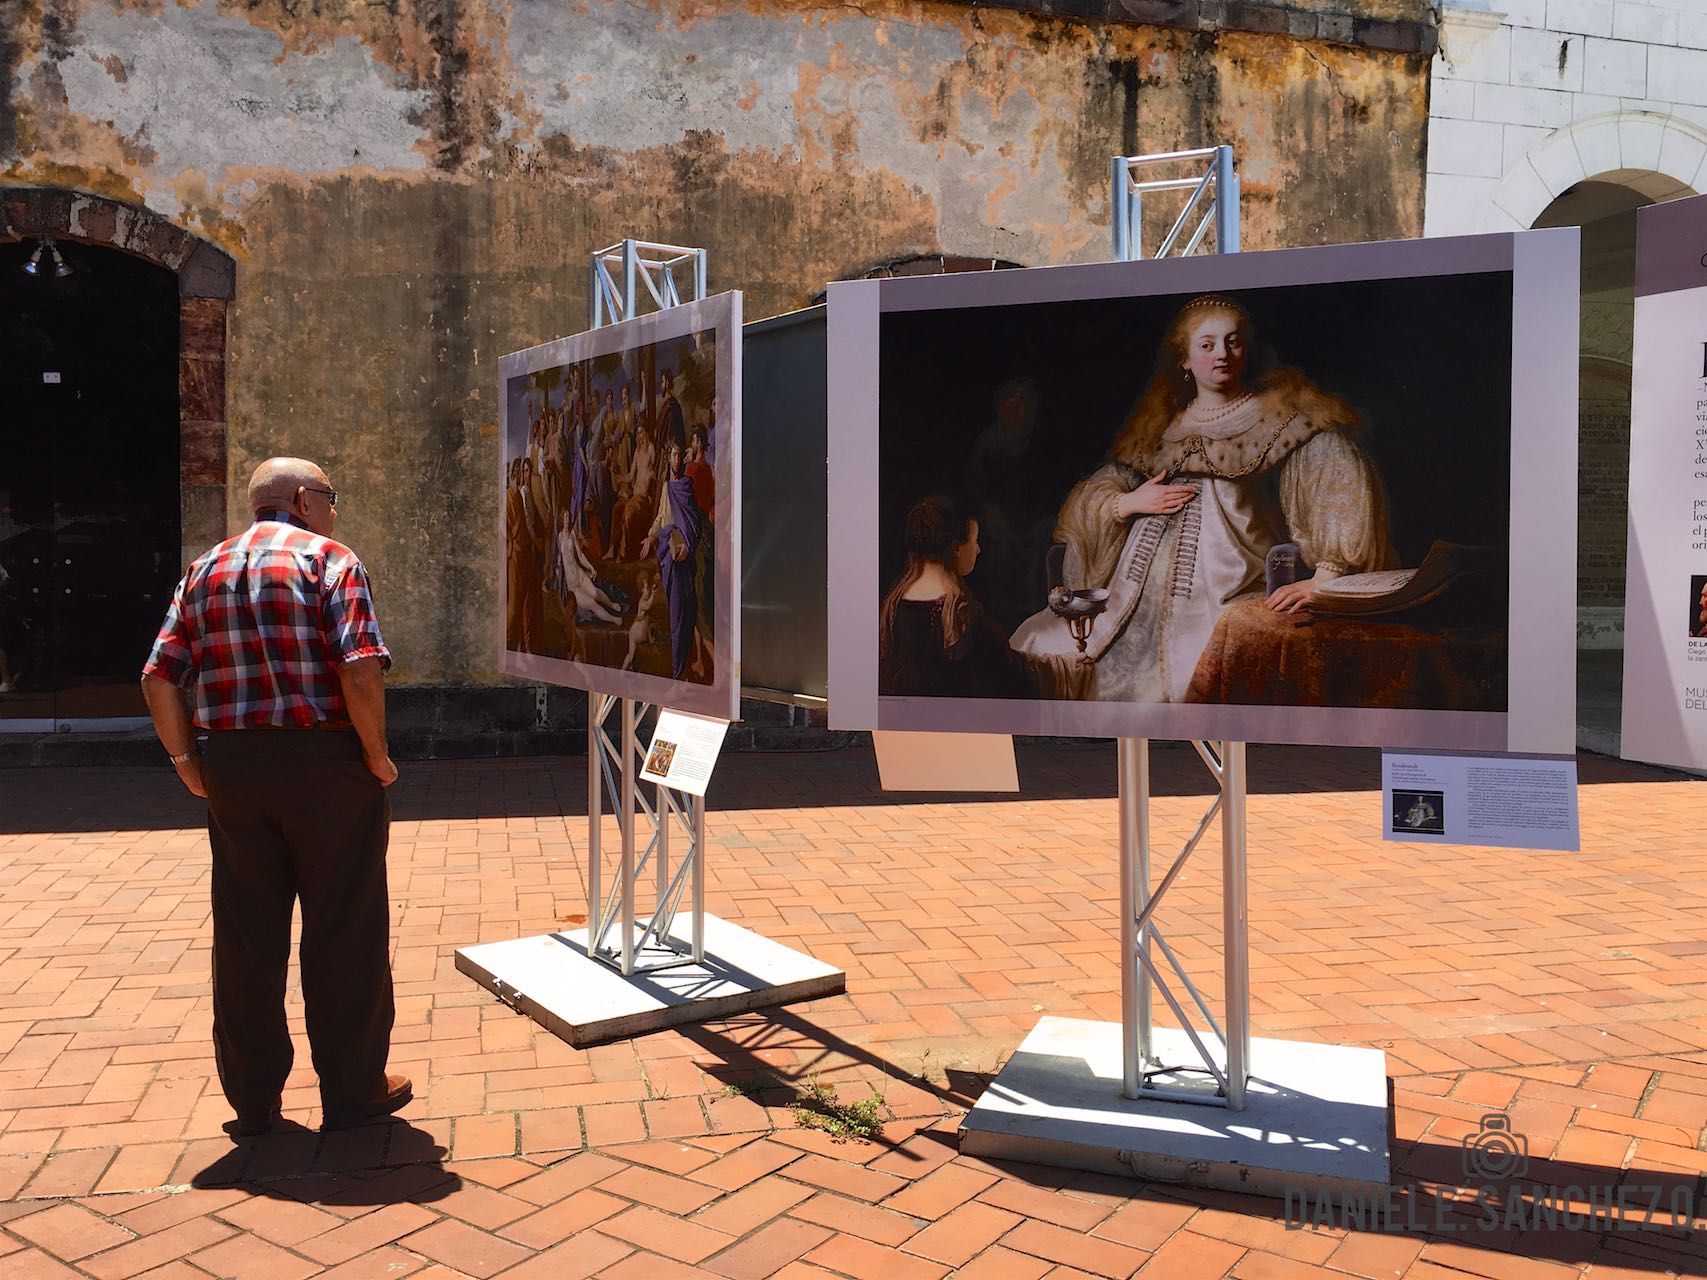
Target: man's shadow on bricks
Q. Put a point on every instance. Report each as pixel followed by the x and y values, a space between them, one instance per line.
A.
pixel 387 1162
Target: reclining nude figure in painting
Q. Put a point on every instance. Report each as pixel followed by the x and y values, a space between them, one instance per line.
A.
pixel 1209 473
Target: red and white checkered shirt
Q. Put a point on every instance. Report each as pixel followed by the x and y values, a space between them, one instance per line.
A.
pixel 261 623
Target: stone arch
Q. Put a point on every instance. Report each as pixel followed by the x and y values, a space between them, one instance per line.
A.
pixel 207 282
pixel 1655 153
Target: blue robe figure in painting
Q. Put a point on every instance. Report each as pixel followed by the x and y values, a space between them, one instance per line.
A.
pixel 680 540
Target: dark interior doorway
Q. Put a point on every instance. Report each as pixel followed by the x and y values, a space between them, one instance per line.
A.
pixel 89 503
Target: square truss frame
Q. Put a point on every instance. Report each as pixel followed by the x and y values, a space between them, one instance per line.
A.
pixel 1223 1046
pixel 615 751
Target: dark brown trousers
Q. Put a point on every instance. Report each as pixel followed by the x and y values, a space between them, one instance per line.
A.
pixel 295 814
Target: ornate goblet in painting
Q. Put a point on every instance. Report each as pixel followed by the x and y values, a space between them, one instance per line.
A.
pixel 1079 610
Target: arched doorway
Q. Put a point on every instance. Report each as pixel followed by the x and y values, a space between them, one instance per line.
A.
pixel 1605 208
pixel 1605 211
pixel 114 444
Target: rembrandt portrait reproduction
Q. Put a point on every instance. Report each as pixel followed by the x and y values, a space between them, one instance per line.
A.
pixel 1287 496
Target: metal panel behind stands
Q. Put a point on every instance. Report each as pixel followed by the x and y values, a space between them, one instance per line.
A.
pixel 785 492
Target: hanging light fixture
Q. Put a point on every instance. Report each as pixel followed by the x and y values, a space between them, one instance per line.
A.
pixel 61 268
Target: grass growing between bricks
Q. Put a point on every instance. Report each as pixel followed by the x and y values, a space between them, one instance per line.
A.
pixel 816 1106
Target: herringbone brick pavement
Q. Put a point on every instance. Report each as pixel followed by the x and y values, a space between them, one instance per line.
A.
pixel 1563 989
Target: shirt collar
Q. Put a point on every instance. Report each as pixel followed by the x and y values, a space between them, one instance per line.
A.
pixel 279 515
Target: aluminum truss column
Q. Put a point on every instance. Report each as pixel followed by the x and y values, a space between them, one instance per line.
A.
pixel 1134 769
pixel 630 276
pixel 1226 202
pixel 625 819
pixel 698 879
pixel 598 707
pixel 1235 924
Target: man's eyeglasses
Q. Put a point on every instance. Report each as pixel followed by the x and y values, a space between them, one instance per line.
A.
pixel 331 494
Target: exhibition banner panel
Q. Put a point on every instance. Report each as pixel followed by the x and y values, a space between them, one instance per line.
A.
pixel 1320 495
pixel 621 511
pixel 1665 610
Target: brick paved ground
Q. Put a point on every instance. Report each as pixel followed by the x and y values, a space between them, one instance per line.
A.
pixel 1564 988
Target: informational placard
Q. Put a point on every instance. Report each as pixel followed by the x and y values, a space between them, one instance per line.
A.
pixel 1665 612
pixel 1314 495
pixel 620 509
pixel 684 751
pixel 945 761
pixel 1509 802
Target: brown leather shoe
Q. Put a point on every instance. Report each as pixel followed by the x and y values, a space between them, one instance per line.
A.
pixel 396 1094
pixel 255 1124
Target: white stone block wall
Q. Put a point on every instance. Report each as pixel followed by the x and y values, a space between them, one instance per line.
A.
pixel 1530 96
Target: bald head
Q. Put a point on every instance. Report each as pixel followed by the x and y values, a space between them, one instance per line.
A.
pixel 276 481
pixel 297 485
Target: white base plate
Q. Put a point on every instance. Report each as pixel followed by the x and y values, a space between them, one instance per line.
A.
pixel 584 1001
pixel 1315 1120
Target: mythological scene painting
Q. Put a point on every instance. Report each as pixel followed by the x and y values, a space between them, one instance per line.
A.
pixel 1293 496
pixel 616 466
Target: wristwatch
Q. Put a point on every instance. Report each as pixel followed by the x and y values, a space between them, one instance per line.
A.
pixel 177 760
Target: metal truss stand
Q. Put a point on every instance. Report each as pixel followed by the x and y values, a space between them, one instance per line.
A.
pixel 614 759
pixel 1093 1095
pixel 613 763
pixel 640 263
pixel 1217 1078
pixel 1214 202
pixel 629 973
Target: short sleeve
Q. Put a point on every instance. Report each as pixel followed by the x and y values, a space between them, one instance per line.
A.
pixel 352 627
pixel 172 659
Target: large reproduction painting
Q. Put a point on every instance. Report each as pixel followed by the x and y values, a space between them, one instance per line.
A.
pixel 1318 496
pixel 621 503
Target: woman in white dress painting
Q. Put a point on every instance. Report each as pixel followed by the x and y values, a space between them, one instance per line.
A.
pixel 1209 473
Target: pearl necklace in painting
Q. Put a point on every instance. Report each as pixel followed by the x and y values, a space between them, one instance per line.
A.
pixel 1207 417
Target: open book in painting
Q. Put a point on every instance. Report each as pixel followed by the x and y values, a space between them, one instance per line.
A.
pixel 1390 590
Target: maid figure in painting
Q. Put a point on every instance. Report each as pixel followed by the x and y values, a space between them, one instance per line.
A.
pixel 934 638
pixel 1210 472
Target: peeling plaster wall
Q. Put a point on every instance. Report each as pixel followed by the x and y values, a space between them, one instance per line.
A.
pixel 411 189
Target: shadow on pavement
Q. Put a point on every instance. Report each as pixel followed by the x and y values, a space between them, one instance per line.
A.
pixel 376 1164
pixel 1624 1220
pixel 75 800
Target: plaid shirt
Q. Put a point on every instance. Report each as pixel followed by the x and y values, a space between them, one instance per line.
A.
pixel 261 623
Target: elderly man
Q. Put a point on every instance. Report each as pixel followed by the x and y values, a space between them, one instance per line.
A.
pixel 275 631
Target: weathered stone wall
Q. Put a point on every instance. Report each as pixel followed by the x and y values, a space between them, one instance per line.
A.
pixel 411 189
